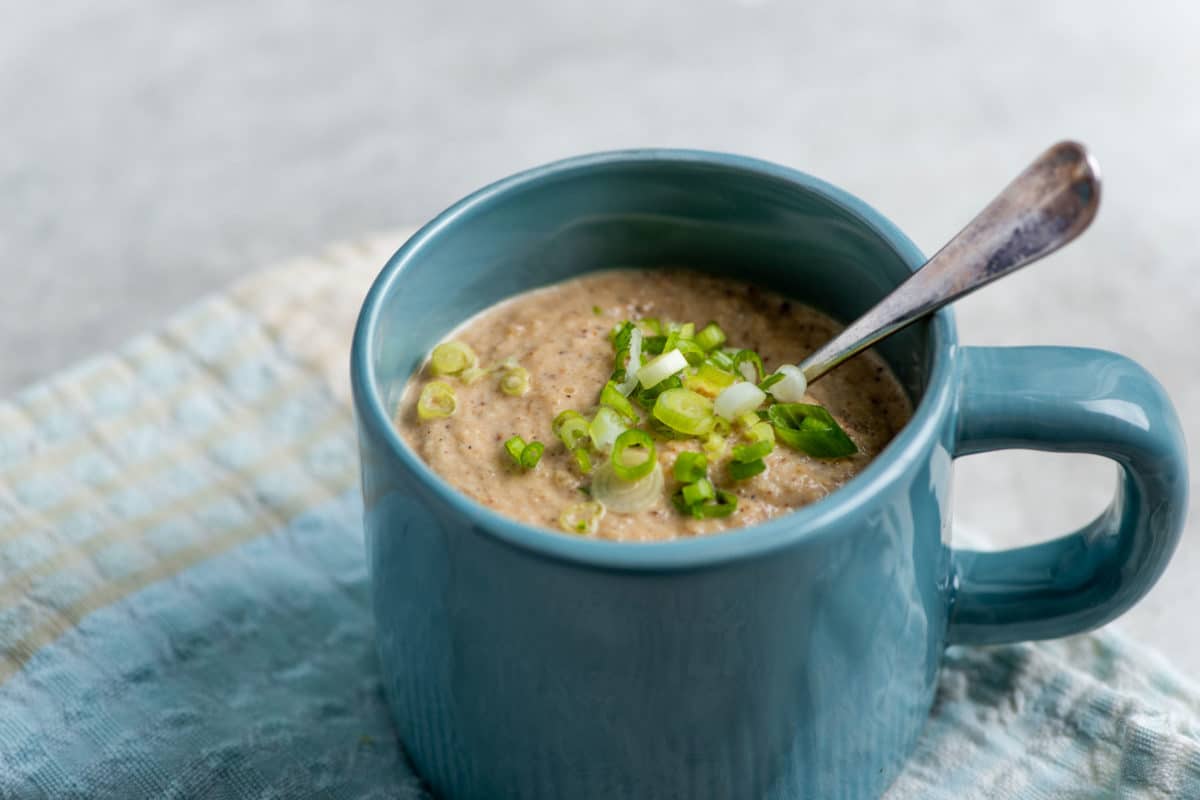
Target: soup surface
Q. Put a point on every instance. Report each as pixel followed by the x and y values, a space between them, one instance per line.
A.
pixel 551 350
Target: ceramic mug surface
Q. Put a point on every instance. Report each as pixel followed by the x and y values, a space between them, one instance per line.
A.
pixel 795 658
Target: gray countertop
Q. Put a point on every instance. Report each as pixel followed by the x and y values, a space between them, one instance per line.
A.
pixel 152 152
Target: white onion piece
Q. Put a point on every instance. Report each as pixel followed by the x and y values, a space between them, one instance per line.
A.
pixel 793 386
pixel 630 383
pixel 605 427
pixel 626 497
pixel 661 368
pixel 735 400
pixel 748 371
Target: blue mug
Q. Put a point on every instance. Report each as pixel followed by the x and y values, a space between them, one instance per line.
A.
pixel 794 658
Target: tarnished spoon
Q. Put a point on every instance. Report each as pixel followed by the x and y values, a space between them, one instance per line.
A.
pixel 1046 206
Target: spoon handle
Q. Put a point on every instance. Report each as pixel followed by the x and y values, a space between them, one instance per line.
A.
pixel 1045 207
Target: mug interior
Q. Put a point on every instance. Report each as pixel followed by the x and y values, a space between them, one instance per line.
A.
pixel 728 215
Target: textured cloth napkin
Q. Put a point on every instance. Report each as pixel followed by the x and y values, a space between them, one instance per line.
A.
pixel 183 603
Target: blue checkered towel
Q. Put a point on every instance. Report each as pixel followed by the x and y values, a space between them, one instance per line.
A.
pixel 183 604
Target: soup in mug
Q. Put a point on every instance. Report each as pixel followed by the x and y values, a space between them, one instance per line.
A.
pixel 643 405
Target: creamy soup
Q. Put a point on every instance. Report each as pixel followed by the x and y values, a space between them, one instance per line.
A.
pixel 494 411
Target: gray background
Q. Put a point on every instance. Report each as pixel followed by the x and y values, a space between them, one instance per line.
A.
pixel 152 152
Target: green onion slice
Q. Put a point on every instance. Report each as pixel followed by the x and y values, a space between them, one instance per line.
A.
pixel 627 497
pixel 606 426
pixel 714 445
pixel 692 352
pixel 650 326
pixel 661 368
pixel 515 446
pixel 582 460
pixel 437 400
pixel 654 344
pixel 740 398
pixel 761 431
pixel 746 453
pixel 571 427
pixel 698 492
pixel 710 337
pixel 630 440
pixel 766 383
pixel 583 518
pixel 515 381
pixel 709 380
pixel 810 429
pixel 725 504
pixel 740 471
pixel 690 467
pixel 532 454
pixel 471 375
pixel 746 360
pixel 646 397
pixel 611 396
pixel 721 360
pixel 791 386
pixel 621 335
pixel 684 411
pixel 451 358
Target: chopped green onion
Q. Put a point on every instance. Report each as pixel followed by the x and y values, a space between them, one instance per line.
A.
pixel 524 455
pixel 451 358
pixel 621 335
pixel 711 336
pixel 630 440
pixel 472 374
pixel 654 344
pixel 726 503
pixel 628 363
pixel 515 446
pixel 646 397
pixel 791 386
pixel 582 460
pixel 582 518
pixel 661 368
pixel 810 429
pixel 740 471
pixel 761 431
pixel 684 411
pixel 690 467
pixel 611 396
pixel 515 381
pixel 606 426
pixel 437 400
pixel 662 431
pixel 532 454
pixel 714 445
pixel 721 360
pixel 571 427
pixel 748 420
pixel 650 326
pixel 708 380
pixel 698 492
pixel 597 310
pixel 627 497
pixel 766 383
pixel 750 360
pixel 746 453
pixel 721 426
pixel 691 351
pixel 740 398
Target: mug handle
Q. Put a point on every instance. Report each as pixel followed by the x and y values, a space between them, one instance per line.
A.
pixel 1070 400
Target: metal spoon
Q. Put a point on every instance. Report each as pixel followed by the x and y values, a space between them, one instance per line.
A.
pixel 1046 206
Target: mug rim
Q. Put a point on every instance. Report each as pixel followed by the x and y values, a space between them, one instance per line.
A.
pixel 805 524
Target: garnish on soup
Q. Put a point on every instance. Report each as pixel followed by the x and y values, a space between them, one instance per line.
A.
pixel 687 421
